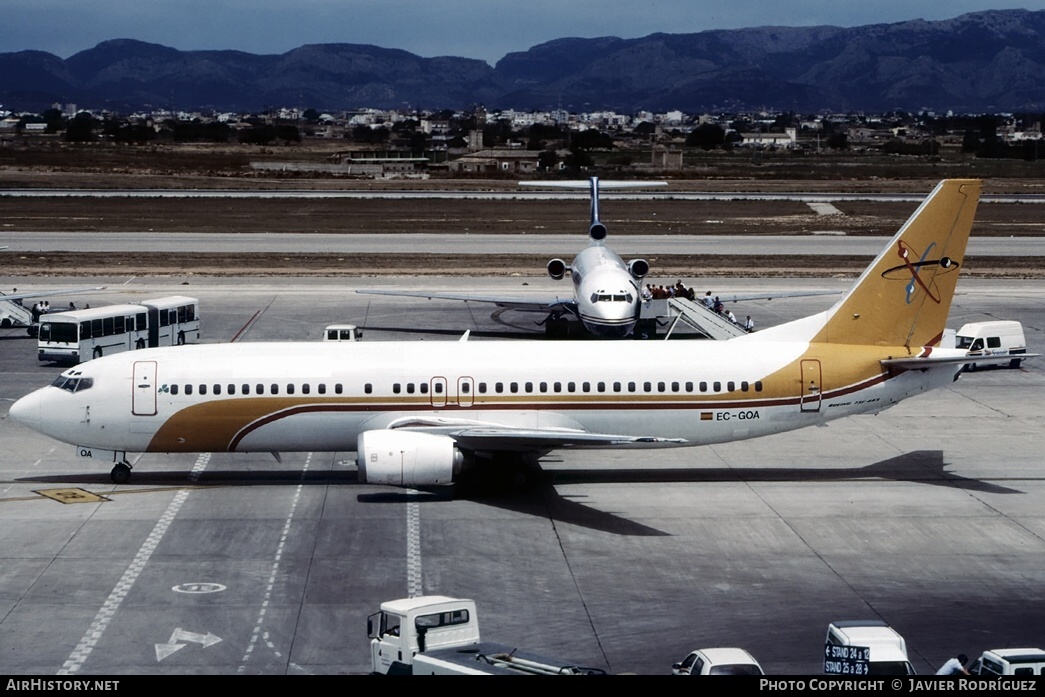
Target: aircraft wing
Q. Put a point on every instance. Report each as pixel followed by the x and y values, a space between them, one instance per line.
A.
pixel 477 435
pixel 523 305
pixel 48 293
pixel 769 295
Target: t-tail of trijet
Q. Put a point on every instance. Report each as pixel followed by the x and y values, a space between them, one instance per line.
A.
pixel 904 296
pixel 597 232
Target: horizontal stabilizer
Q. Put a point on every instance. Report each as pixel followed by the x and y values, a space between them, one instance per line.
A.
pixel 932 361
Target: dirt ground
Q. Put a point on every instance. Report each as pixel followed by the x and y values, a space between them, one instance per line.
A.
pixel 200 168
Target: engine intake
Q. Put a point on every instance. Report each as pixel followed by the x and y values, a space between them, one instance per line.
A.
pixel 407 458
pixel 638 268
pixel 557 269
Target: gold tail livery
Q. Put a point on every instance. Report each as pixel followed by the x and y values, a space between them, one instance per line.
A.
pixel 416 413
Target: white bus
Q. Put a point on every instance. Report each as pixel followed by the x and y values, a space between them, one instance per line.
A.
pixel 79 335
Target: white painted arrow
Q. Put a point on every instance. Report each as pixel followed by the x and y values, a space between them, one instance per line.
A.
pixel 180 635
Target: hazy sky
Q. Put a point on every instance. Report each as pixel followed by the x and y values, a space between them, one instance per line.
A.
pixel 485 29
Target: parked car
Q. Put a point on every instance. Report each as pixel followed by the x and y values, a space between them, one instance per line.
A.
pixel 722 661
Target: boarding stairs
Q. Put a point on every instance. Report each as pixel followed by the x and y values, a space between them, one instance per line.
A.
pixel 672 311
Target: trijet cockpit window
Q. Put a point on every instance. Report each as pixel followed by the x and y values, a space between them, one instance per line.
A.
pixel 73 383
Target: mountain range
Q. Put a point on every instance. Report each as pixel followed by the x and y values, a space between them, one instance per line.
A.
pixel 984 61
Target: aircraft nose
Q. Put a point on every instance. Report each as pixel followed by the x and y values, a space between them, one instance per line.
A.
pixel 26 411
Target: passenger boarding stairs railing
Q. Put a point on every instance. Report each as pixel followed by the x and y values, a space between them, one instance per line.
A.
pixel 695 314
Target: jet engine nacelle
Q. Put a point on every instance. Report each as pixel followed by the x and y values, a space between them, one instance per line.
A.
pixel 557 269
pixel 407 458
pixel 638 268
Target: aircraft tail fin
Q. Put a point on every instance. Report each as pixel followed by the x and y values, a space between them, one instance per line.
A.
pixel 596 230
pixel 904 296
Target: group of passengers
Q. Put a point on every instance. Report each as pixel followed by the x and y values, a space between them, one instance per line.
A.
pixel 679 290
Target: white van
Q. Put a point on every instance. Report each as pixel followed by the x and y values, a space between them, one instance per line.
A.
pixel 882 650
pixel 1000 338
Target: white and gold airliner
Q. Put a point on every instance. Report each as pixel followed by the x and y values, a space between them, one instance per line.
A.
pixel 417 413
pixel 606 294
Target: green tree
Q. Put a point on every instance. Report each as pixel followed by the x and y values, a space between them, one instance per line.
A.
pixel 706 136
pixel 81 129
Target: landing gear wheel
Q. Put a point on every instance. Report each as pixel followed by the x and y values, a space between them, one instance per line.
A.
pixel 121 473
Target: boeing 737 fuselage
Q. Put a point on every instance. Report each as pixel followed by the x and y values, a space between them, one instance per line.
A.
pixel 417 413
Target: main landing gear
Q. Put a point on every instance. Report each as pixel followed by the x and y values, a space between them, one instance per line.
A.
pixel 121 472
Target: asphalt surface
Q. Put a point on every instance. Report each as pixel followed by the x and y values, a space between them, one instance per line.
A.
pixel 826 243
pixel 930 516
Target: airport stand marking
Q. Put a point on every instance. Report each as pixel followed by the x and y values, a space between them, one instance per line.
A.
pixel 414 585
pixel 74 495
pixel 199 587
pixel 108 610
pixel 181 638
pixel 258 634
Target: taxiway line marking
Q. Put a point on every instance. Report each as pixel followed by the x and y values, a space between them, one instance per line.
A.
pixel 123 587
pixel 414 577
pixel 259 633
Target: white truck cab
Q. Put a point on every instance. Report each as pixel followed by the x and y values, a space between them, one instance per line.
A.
pixel 885 654
pixel 1003 339
pixel 439 635
pixel 1009 662
pixel 404 628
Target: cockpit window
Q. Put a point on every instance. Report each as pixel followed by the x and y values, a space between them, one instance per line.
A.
pixel 73 383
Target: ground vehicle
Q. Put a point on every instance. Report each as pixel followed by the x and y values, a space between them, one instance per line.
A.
pixel 1009 662
pixel 1000 338
pixel 70 337
pixel 439 635
pixel 886 652
pixel 726 661
pixel 342 332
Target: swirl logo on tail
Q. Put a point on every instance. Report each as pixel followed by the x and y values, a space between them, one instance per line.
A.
pixel 921 273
